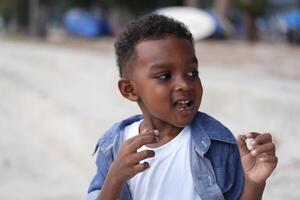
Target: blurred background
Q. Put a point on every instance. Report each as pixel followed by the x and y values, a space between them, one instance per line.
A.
pixel 58 84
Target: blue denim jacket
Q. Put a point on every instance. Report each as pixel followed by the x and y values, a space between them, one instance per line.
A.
pixel 215 160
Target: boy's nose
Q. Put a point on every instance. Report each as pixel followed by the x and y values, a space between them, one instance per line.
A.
pixel 182 84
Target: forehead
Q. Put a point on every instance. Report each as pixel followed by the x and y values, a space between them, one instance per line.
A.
pixel 169 51
pixel 167 47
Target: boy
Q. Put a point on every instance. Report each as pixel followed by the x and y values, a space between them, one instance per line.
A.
pixel 173 151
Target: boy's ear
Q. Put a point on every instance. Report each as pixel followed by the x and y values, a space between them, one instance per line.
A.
pixel 127 89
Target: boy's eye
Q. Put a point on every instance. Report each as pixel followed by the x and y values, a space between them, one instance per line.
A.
pixel 193 73
pixel 164 76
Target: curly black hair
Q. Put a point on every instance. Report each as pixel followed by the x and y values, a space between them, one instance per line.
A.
pixel 148 27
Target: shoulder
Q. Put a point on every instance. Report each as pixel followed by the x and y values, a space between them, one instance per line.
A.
pixel 214 129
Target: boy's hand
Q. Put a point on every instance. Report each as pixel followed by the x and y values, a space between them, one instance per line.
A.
pixel 259 160
pixel 127 162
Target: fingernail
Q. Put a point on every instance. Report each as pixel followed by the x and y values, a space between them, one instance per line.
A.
pixel 156 132
pixel 153 153
pixel 243 137
pixel 145 131
pixel 156 138
pixel 254 152
pixel 146 164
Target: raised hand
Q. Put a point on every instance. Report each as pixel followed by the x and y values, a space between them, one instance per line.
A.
pixel 259 160
pixel 127 162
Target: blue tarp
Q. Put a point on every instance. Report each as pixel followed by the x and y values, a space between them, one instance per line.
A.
pixel 291 19
pixel 86 24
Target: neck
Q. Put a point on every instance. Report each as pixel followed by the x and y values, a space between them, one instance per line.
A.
pixel 166 131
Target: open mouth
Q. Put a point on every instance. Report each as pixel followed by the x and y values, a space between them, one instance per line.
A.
pixel 184 105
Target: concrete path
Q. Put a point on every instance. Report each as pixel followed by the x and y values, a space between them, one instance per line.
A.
pixel 56 100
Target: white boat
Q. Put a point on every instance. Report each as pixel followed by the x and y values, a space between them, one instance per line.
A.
pixel 199 22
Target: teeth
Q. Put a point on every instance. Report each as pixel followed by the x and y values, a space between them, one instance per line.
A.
pixel 183 102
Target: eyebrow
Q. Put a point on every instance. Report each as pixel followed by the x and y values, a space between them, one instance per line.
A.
pixel 159 65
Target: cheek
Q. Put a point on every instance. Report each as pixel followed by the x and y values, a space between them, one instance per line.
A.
pixel 156 96
pixel 199 91
pixel 160 94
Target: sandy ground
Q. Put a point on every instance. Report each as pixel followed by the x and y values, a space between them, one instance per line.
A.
pixel 57 99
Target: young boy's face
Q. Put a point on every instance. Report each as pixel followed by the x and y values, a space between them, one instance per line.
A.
pixel 166 82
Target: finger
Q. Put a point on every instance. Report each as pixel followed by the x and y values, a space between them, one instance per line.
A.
pixel 268 148
pixel 140 167
pixel 262 139
pixel 242 145
pixel 155 132
pixel 130 140
pixel 144 132
pixel 252 135
pixel 268 158
pixel 137 157
pixel 142 140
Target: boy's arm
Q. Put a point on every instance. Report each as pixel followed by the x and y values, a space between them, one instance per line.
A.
pixel 258 163
pixel 252 191
pixel 126 165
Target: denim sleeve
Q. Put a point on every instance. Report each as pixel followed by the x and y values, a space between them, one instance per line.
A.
pixel 236 174
pixel 98 180
pixel 93 195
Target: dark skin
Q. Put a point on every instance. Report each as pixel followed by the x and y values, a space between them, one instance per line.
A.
pixel 162 77
pixel 165 72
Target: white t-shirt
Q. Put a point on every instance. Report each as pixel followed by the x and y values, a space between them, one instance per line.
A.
pixel 169 175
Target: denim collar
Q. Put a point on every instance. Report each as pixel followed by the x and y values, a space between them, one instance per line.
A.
pixel 204 130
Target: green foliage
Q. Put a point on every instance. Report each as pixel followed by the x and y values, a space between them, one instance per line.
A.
pixel 254 7
pixel 15 9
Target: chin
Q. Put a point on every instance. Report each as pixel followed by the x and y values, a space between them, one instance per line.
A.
pixel 185 122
